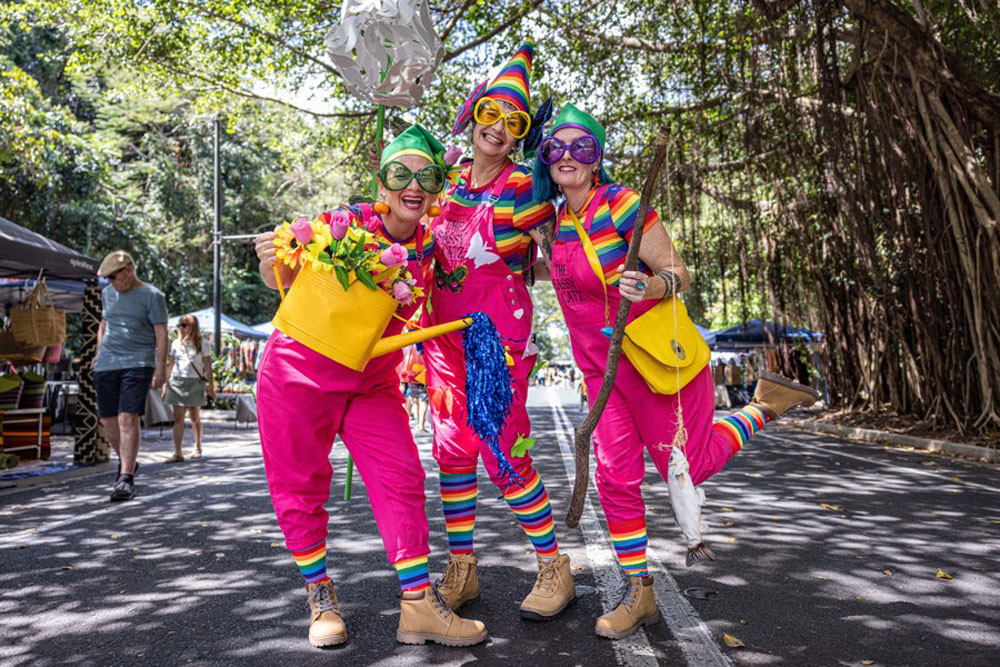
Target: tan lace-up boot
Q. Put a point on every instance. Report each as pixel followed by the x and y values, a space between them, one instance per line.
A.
pixel 553 591
pixel 326 626
pixel 775 394
pixel 460 582
pixel 636 609
pixel 424 617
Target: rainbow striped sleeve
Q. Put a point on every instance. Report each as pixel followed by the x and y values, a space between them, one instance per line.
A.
pixel 515 215
pixel 623 205
pixel 611 229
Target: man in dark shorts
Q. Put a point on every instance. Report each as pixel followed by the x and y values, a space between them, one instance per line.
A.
pixel 131 357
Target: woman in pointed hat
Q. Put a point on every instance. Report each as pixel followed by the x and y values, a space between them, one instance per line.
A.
pixel 306 400
pixel 484 234
pixel 589 283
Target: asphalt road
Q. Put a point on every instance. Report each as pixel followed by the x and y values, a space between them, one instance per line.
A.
pixel 829 553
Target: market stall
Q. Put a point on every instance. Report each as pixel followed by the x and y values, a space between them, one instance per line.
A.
pixel 70 285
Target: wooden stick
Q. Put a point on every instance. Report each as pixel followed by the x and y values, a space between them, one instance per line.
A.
pixel 586 428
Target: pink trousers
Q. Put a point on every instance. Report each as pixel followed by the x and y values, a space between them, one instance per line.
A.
pixel 455 444
pixel 304 401
pixel 636 419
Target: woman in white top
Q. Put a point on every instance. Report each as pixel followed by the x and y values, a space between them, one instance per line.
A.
pixel 189 378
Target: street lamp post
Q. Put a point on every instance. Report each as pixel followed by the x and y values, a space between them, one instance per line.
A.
pixel 217 243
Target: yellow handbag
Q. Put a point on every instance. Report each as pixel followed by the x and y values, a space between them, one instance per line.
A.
pixel 662 343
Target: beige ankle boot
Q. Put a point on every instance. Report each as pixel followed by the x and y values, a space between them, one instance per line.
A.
pixel 460 581
pixel 636 609
pixel 775 394
pixel 424 617
pixel 326 626
pixel 553 592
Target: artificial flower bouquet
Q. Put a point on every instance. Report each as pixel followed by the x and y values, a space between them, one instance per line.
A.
pixel 335 242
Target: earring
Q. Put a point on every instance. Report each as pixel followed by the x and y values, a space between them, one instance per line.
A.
pixel 434 211
pixel 380 207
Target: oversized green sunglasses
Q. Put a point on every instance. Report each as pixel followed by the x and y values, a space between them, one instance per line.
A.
pixel 396 176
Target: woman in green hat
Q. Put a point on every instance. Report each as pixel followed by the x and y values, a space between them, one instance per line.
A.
pixel 592 231
pixel 306 400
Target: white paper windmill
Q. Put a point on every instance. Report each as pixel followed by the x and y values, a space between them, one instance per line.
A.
pixel 386 50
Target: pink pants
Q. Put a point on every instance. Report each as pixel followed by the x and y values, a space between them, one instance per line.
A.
pixel 636 419
pixel 455 444
pixel 304 401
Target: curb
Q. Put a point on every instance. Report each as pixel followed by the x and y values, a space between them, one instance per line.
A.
pixel 987 454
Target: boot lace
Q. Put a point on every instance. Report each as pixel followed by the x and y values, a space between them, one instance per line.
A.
pixel 627 595
pixel 322 599
pixel 438 603
pixel 548 576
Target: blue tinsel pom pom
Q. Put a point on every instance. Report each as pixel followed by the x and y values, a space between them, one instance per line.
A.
pixel 487 389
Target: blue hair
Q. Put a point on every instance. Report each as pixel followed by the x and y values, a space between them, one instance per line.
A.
pixel 545 188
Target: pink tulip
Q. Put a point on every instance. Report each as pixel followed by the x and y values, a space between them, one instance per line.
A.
pixel 373 224
pixel 452 154
pixel 302 230
pixel 402 292
pixel 339 222
pixel 394 255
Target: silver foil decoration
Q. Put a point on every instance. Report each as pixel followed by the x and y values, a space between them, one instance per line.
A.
pixel 394 37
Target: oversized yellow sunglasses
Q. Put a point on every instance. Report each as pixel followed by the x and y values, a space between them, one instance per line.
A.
pixel 488 111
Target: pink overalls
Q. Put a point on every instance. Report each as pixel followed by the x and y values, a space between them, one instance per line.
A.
pixel 635 417
pixel 465 238
pixel 305 400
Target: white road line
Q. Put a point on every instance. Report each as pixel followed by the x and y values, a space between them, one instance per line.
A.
pixel 885 464
pixel 693 636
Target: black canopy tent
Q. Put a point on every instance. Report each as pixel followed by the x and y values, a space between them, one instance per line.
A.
pixel 24 252
pixel 25 255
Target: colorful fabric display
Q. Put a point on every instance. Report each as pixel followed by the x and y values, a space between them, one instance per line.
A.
pixel 21 435
pixel 32 392
pixel 11 386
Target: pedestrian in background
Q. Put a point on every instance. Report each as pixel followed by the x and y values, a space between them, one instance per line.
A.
pixel 131 355
pixel 189 382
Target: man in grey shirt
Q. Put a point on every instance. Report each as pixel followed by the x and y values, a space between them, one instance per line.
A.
pixel 131 357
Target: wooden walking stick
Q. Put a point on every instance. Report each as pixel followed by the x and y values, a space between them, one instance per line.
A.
pixel 586 428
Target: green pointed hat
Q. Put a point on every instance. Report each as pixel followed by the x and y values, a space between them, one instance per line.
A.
pixel 570 116
pixel 415 140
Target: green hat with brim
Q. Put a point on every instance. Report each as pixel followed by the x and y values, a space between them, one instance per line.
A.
pixel 415 140
pixel 570 116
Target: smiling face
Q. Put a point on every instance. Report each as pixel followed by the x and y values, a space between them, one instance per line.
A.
pixel 408 205
pixel 493 140
pixel 566 172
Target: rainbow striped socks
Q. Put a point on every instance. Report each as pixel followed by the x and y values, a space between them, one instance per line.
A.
pixel 412 572
pixel 629 538
pixel 311 562
pixel 740 426
pixel 532 509
pixel 459 489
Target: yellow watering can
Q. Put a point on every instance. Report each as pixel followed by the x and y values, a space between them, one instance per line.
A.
pixel 346 326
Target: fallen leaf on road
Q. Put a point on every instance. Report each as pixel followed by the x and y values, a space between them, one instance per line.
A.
pixel 831 507
pixel 275 544
pixel 576 568
pixel 775 518
pixel 859 597
pixel 743 621
pixel 928 463
pixel 135 548
pixel 65 567
pixel 731 642
pixel 726 521
pixel 955 479
pixel 256 531
pixel 887 571
pixel 728 509
pixel 941 574
pixel 116 537
pixel 867 662
pixel 730 539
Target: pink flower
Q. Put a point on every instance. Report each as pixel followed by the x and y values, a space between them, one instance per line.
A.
pixel 452 154
pixel 401 292
pixel 373 224
pixel 394 255
pixel 339 222
pixel 302 230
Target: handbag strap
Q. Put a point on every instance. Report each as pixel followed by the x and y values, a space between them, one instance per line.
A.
pixel 588 245
pixel 191 361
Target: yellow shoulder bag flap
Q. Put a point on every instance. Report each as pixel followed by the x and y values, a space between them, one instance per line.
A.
pixel 667 351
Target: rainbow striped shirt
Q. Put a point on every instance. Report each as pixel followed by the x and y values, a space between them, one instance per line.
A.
pixel 611 229
pixel 514 215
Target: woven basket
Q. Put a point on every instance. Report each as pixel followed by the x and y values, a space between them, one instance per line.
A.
pixel 37 322
pixel 11 350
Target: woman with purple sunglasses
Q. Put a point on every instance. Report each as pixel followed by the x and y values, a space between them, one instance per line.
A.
pixel 592 231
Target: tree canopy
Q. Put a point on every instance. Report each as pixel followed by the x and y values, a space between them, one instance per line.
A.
pixel 834 163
